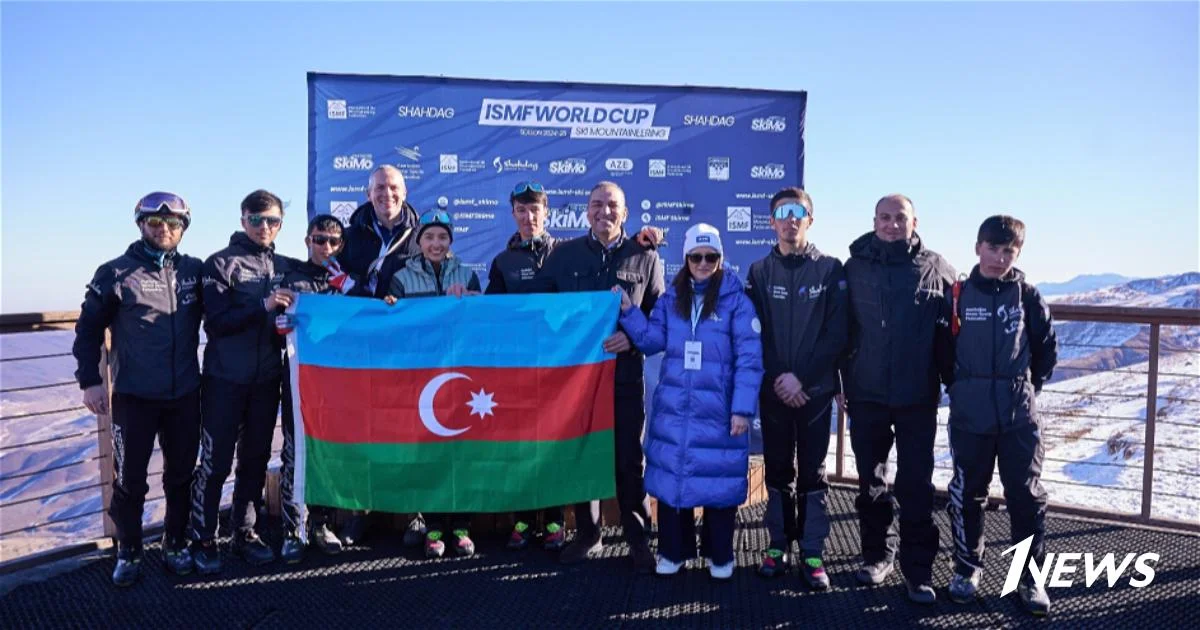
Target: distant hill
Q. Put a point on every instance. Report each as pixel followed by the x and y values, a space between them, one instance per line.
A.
pixel 1085 347
pixel 1081 284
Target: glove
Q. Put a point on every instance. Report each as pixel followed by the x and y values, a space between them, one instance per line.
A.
pixel 339 279
pixel 284 324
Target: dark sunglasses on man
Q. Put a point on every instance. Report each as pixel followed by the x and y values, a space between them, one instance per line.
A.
pixel 257 220
pixel 321 239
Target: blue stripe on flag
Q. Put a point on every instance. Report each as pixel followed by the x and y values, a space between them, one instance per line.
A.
pixel 532 330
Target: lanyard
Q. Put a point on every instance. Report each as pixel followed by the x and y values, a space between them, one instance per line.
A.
pixel 697 307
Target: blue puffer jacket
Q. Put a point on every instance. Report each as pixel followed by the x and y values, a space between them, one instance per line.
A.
pixel 691 460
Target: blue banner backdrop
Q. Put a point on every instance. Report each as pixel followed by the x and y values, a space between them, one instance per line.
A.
pixel 683 155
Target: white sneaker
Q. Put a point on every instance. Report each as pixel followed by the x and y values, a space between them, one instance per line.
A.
pixel 666 567
pixel 721 571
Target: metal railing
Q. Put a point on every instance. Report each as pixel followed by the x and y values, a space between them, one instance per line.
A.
pixel 1155 319
pixel 102 460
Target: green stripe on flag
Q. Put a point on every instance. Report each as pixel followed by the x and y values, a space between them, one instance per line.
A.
pixel 459 476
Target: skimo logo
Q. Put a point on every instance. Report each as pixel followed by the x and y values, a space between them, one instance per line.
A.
pixel 714 120
pixel 619 165
pixel 658 168
pixel 571 217
pixel 772 124
pixel 767 171
pixel 420 111
pixel 335 109
pixel 569 166
pixel 356 162
pixel 448 163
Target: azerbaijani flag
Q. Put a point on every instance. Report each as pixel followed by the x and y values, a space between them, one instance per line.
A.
pixel 477 404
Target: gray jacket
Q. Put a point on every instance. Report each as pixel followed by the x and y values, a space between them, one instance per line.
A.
pixel 1004 351
pixel 153 306
pixel 417 279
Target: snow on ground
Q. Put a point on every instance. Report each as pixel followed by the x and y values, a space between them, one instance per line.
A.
pixel 1094 436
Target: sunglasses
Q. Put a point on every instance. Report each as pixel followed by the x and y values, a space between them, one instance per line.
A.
pixel 321 239
pixel 789 210
pixel 156 221
pixel 257 220
pixel 162 202
pixel 525 187
pixel 435 216
pixel 696 259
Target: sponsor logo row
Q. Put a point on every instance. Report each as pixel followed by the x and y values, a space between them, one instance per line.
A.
pixel 719 168
pixel 626 121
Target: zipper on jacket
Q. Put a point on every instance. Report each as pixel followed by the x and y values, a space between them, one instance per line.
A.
pixel 995 403
pixel 170 275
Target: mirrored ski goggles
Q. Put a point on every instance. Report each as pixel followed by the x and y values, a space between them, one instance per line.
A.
pixel 435 216
pixel 156 221
pixel 161 202
pixel 790 210
pixel 525 187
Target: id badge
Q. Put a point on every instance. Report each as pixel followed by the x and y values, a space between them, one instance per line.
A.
pixel 692 355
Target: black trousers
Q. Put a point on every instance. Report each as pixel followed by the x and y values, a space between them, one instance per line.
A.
pixel 795 442
pixel 629 421
pixel 873 428
pixel 677 533
pixel 240 417
pixel 135 423
pixel 1019 455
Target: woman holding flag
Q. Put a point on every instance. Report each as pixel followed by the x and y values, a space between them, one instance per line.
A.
pixel 697 442
pixel 433 273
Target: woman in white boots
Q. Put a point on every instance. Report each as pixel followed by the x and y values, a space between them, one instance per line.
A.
pixel 698 441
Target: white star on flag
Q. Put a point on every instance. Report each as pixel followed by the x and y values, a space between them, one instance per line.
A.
pixel 481 403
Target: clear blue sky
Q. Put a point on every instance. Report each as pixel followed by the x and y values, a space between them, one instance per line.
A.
pixel 1080 118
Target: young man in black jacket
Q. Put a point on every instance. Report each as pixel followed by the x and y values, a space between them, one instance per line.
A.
pixel 603 258
pixel 150 299
pixel 515 270
pixel 899 290
pixel 801 299
pixel 242 372
pixel 1005 350
pixel 321 273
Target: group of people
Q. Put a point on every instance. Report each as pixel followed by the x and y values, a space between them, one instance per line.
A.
pixel 881 333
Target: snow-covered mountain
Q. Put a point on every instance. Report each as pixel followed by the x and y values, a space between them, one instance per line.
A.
pixel 1086 347
pixel 1082 284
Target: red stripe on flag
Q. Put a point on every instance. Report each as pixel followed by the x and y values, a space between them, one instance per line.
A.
pixel 493 404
